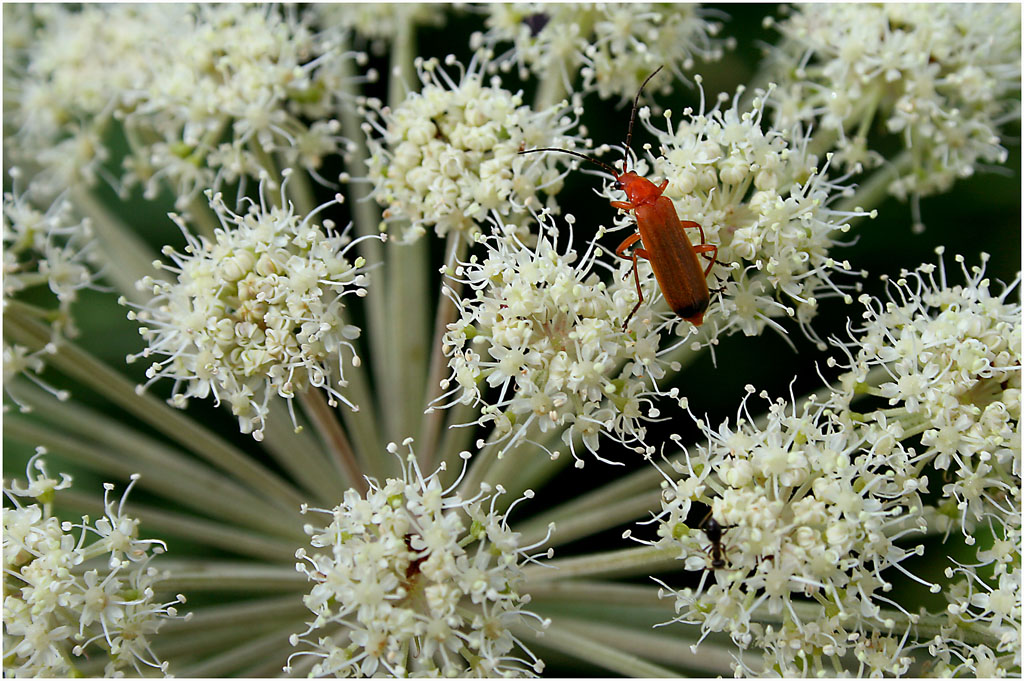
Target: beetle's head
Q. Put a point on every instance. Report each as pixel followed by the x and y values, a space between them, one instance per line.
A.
pixel 639 190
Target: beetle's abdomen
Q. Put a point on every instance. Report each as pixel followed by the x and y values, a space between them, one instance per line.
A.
pixel 676 265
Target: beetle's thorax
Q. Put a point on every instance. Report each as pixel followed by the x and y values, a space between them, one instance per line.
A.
pixel 639 190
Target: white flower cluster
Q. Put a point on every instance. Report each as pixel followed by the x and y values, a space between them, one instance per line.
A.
pixel 203 94
pixel 819 501
pixel 617 45
pixel 945 77
pixel 992 604
pixel 448 156
pixel 258 311
pixel 764 200
pixel 50 249
pixel 66 599
pixel 378 22
pixel 952 361
pixel 811 509
pixel 543 329
pixel 414 580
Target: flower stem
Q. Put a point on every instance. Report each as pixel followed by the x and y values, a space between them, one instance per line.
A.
pixel 572 526
pixel 325 421
pixel 206 574
pixel 234 655
pixel 875 189
pixel 201 219
pixel 669 648
pixel 446 311
pixel 564 639
pixel 194 486
pixel 215 617
pixel 128 258
pixel 300 454
pixel 643 560
pixel 194 529
pixel 80 365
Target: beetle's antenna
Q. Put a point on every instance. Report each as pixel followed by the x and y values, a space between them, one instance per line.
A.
pixel 632 116
pixel 604 165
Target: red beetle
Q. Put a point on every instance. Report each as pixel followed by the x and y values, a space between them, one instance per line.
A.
pixel 672 256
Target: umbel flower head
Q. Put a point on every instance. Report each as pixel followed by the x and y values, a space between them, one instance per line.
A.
pixel 413 579
pixel 819 501
pixel 67 597
pixel 944 78
pixel 51 249
pixel 448 155
pixel 545 330
pixel 764 200
pixel 613 45
pixel 951 356
pixel 203 94
pixel 258 311
pixel 812 509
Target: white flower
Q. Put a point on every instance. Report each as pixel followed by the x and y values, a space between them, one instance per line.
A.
pixel 51 248
pixel 56 610
pixel 952 358
pixel 764 200
pixel 449 155
pixel 414 580
pixel 257 312
pixel 943 77
pixel 809 508
pixel 617 45
pixel 544 329
pixel 201 93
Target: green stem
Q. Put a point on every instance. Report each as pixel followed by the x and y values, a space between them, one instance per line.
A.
pixel 227 615
pixel 233 655
pixel 128 258
pixel 333 437
pixel 365 215
pixel 165 524
pixel 201 218
pixel 601 593
pixel 871 193
pixel 172 478
pixel 643 481
pixel 644 560
pixel 209 575
pixel 550 91
pixel 300 453
pixel 670 648
pixel 406 373
pixel 409 265
pixel 573 526
pixel 426 447
pixel 564 639
pixel 268 164
pixel 78 364
pixel 300 190
pixel 456 440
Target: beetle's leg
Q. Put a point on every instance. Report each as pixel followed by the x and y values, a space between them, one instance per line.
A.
pixel 638 253
pixel 708 248
pixel 661 187
pixel 626 243
pixel 690 224
pixel 703 246
pixel 622 205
